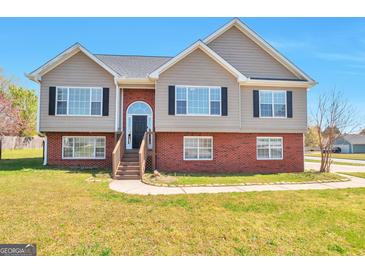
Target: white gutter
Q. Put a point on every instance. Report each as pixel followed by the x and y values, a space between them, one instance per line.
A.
pixel 134 81
pixel 45 159
pixel 277 83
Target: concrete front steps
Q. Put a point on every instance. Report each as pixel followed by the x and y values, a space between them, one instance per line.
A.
pixel 128 168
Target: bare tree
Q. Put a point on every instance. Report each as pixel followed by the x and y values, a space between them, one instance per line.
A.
pixel 333 117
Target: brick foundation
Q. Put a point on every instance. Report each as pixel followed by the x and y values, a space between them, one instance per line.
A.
pixel 132 95
pixel 54 151
pixel 232 152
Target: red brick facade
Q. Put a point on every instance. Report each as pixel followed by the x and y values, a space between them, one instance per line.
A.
pixel 132 95
pixel 232 152
pixel 54 150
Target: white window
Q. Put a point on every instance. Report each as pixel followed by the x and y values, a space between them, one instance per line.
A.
pixel 273 103
pixel 76 101
pixel 198 100
pixel 269 148
pixel 61 101
pixel 83 147
pixel 198 148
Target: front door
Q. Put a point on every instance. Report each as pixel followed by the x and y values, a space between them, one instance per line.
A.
pixel 139 127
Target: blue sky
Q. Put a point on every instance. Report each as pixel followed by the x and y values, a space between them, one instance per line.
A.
pixel 330 50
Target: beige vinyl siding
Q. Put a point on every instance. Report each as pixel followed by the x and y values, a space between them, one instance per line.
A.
pixel 197 69
pixel 77 71
pixel 254 124
pixel 246 56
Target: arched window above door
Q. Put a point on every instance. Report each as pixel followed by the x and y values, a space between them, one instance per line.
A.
pixel 139 108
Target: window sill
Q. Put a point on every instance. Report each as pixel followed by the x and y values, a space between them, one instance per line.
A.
pixel 83 158
pixel 198 159
pixel 198 115
pixel 276 159
pixel 272 117
pixel 65 115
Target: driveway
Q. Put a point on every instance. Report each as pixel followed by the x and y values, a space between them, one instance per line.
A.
pixel 335 168
pixel 337 160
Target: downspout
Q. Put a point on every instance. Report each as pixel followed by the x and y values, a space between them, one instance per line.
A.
pixel 240 104
pixel 121 101
pixel 116 105
pixel 45 158
pixel 38 109
pixel 39 106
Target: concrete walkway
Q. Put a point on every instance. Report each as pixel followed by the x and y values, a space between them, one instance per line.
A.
pixel 137 187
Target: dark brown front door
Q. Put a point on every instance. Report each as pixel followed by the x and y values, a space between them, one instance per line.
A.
pixel 139 123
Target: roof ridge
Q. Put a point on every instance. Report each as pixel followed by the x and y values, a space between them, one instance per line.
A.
pixel 133 55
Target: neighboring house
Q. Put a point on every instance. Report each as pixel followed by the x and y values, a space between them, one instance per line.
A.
pixel 351 143
pixel 229 103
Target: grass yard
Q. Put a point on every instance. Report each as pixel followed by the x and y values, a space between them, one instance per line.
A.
pixel 335 163
pixel 238 179
pixel 359 156
pixel 66 214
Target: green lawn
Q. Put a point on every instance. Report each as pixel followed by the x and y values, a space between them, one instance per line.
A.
pixel 238 179
pixel 335 163
pixel 66 214
pixel 21 154
pixel 356 174
pixel 360 156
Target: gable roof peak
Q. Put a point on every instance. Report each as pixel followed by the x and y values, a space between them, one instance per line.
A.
pixel 236 22
pixel 62 57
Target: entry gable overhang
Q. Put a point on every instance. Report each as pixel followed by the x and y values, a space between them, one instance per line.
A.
pixel 198 45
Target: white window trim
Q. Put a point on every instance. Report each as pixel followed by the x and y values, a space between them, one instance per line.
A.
pixel 198 137
pixel 272 105
pixel 187 102
pixel 68 102
pixel 269 159
pixel 84 158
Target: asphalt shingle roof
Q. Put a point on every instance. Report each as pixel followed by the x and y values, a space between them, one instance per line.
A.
pixel 131 66
pixel 355 139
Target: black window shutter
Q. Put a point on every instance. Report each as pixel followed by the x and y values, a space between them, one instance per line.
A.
pixel 105 101
pixel 171 100
pixel 52 101
pixel 224 99
pixel 256 102
pixel 289 103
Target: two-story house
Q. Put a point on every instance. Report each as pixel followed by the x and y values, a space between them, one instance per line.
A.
pixel 228 103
